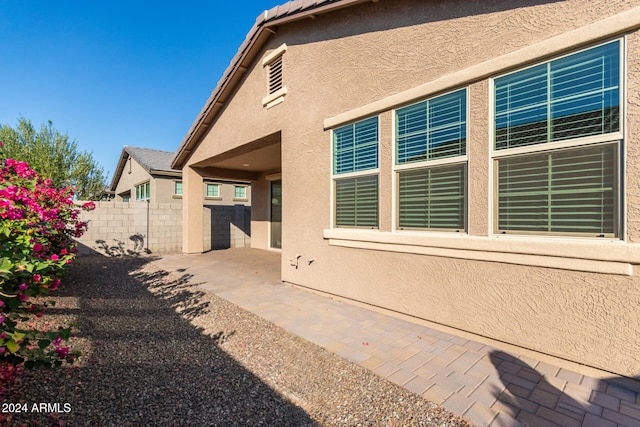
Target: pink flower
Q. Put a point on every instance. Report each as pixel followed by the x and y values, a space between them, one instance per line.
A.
pixel 37 278
pixel 23 297
pixel 2 318
pixel 1 303
pixel 2 349
pixel 54 284
pixel 63 252
pixel 54 257
pixel 23 286
pixel 62 352
pixel 37 247
pixel 3 335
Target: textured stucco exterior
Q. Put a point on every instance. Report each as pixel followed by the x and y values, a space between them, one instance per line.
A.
pixel 573 298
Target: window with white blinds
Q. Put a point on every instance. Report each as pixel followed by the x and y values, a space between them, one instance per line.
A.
pixel 566 191
pixel 355 147
pixel 433 129
pixel 432 198
pixel 574 188
pixel 357 202
pixel 355 164
pixel 571 97
pixel 430 148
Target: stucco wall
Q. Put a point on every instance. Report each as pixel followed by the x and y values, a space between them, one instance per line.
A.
pixel 132 175
pixel 163 190
pixel 343 60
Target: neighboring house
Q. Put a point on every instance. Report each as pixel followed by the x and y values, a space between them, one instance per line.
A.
pixel 147 210
pixel 472 164
pixel 146 174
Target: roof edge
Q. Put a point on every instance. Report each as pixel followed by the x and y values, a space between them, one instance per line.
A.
pixel 255 38
pixel 117 173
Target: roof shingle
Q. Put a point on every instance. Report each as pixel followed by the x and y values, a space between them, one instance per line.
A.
pixel 151 159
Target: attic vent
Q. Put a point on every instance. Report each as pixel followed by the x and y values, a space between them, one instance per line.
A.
pixel 275 75
pixel 275 87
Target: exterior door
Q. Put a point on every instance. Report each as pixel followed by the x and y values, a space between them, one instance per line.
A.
pixel 276 214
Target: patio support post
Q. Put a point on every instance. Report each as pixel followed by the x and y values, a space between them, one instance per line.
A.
pixel 192 211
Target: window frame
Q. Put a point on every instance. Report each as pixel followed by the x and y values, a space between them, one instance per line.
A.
pixel 145 191
pixel 206 190
pixel 125 197
pixel 175 188
pixel 427 164
pixel 616 137
pixel 338 176
pixel 235 192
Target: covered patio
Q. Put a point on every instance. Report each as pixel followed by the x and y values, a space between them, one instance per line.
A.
pixel 257 163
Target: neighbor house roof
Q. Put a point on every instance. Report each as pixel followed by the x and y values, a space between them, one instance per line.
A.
pixel 265 25
pixel 156 162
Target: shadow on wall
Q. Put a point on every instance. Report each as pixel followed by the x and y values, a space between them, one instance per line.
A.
pixel 119 248
pixel 532 397
pixel 230 226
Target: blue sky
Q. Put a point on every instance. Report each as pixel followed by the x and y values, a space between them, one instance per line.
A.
pixel 115 73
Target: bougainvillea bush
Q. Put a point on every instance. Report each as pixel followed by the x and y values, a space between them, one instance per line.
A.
pixel 37 225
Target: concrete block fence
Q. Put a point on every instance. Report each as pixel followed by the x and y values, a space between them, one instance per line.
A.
pixel 130 228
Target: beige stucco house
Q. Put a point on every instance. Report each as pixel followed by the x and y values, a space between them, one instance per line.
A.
pixel 148 201
pixel 146 174
pixel 472 164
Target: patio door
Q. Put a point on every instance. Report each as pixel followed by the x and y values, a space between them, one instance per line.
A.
pixel 276 214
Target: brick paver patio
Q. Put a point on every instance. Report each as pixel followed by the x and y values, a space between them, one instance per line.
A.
pixel 486 385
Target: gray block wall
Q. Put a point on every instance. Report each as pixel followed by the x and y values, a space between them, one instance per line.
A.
pixel 129 228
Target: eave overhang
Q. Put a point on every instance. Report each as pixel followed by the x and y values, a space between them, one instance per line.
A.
pixel 265 26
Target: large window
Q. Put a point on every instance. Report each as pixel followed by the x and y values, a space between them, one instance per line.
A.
pixel 431 163
pixel 355 174
pixel 142 191
pixel 557 143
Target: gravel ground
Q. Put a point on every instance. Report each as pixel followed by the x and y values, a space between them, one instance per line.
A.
pixel 161 352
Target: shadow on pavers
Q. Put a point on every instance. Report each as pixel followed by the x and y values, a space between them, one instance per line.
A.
pixel 145 364
pixel 534 398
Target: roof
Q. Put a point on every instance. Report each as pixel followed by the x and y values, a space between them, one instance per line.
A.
pixel 254 40
pixel 157 162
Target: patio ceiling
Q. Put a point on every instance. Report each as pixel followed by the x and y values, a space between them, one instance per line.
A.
pixel 245 162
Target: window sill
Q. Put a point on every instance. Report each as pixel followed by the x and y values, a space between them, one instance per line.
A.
pixel 274 99
pixel 240 200
pixel 177 196
pixel 212 198
pixel 594 256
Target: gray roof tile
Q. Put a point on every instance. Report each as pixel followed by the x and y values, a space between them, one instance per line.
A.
pixel 151 159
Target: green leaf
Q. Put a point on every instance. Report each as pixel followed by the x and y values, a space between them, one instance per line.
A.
pixel 12 346
pixel 5 265
pixel 17 336
pixel 44 344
